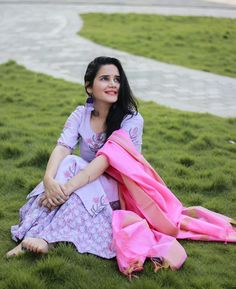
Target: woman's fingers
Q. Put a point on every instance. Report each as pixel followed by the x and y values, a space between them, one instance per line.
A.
pixel 56 193
pixel 53 196
pixel 44 203
pixel 42 199
pixel 58 200
pixel 51 202
pixel 62 194
pixel 48 202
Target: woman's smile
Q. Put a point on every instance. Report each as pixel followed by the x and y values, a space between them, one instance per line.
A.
pixel 106 84
pixel 111 92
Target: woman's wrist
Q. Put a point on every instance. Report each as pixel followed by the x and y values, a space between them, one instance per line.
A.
pixel 47 178
pixel 68 188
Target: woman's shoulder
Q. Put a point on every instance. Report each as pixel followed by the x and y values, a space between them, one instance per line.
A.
pixel 87 108
pixel 136 117
pixel 133 125
pixel 80 108
pixel 76 114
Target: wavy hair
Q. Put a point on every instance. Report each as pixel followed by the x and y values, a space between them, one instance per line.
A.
pixel 126 103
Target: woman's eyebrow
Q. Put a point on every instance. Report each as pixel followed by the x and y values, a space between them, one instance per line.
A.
pixel 107 75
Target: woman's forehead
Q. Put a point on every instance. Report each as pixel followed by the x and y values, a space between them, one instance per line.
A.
pixel 108 69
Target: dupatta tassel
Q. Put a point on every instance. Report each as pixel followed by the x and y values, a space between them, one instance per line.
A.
pixel 134 267
pixel 159 263
pixel 233 222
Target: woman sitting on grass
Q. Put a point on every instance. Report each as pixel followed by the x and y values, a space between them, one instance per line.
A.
pixel 57 209
pixel 80 198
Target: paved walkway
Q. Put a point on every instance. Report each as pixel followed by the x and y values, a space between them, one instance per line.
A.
pixel 167 3
pixel 43 38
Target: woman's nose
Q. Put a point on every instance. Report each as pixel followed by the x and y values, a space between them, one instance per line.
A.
pixel 112 82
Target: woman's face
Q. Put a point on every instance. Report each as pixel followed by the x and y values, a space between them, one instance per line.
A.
pixel 106 84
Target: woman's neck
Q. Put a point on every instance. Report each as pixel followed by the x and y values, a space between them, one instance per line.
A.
pixel 101 109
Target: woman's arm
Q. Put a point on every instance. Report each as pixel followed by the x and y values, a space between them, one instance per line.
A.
pixel 91 172
pixel 68 140
pixel 57 155
pixel 53 190
pixel 134 127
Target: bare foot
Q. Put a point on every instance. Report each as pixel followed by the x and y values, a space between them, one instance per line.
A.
pixel 36 245
pixel 17 251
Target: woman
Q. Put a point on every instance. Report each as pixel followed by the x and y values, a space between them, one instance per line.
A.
pixel 75 200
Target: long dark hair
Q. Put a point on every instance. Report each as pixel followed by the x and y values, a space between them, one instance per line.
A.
pixel 126 103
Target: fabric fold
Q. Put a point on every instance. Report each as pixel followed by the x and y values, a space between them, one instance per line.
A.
pixel 153 217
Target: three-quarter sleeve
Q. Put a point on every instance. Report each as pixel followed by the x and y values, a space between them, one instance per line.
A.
pixel 70 134
pixel 133 125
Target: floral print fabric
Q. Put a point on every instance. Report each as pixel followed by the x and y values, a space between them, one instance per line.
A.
pixel 85 219
pixel 77 129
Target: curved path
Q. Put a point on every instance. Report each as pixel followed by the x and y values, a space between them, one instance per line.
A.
pixel 43 38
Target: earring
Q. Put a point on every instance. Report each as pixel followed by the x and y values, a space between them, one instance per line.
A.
pixel 90 99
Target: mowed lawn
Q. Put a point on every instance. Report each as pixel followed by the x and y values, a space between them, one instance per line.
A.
pixel 203 43
pixel 194 153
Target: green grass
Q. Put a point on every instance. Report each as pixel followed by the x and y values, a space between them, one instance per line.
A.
pixel 190 151
pixel 203 43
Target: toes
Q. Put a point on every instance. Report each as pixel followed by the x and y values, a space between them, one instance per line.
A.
pixel 35 245
pixel 26 244
pixel 34 248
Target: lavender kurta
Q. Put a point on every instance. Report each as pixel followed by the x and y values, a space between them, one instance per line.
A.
pixel 85 219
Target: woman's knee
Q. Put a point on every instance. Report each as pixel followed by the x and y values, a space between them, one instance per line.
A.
pixel 77 161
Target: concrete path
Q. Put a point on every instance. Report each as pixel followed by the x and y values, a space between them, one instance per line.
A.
pixel 43 38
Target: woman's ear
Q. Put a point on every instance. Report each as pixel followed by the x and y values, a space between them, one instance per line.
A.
pixel 88 88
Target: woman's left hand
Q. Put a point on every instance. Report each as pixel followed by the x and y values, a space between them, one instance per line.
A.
pixel 45 202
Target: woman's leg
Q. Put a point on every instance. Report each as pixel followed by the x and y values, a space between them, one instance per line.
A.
pixel 27 231
pixel 67 169
pixel 40 227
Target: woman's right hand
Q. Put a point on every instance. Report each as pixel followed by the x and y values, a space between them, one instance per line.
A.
pixel 55 196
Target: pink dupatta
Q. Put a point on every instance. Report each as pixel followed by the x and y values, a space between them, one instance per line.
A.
pixel 152 218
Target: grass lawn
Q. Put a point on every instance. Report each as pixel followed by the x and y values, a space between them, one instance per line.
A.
pixel 192 152
pixel 203 43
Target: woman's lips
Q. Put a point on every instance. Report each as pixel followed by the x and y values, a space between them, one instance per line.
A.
pixel 111 92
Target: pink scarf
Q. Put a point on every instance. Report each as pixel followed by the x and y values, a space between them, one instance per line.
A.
pixel 152 218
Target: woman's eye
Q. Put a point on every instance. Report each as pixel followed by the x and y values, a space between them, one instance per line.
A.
pixel 117 80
